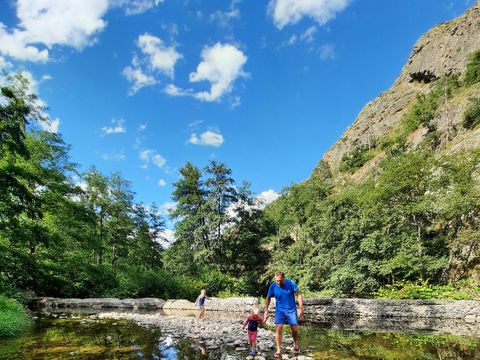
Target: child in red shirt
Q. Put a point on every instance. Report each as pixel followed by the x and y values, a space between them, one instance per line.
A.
pixel 251 323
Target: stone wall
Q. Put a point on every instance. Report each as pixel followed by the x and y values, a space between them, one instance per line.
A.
pixel 415 315
pixel 102 303
pixel 460 317
pixel 315 309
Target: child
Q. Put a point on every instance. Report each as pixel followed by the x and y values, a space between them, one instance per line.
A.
pixel 200 302
pixel 251 322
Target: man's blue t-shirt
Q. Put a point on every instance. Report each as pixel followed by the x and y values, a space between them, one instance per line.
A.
pixel 284 295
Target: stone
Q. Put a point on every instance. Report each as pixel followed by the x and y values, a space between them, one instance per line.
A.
pixel 444 49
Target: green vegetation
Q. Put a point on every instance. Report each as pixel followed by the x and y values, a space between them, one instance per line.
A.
pixel 423 290
pixel 472 73
pixel 422 112
pixel 223 226
pixel 14 319
pixel 400 225
pixel 70 234
pixel 471 117
pixel 356 159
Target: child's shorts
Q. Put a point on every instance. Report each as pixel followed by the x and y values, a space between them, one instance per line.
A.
pixel 252 335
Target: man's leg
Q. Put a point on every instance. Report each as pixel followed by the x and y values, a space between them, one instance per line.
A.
pixel 295 332
pixel 278 337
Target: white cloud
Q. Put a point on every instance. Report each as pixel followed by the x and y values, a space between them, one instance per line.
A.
pixel 267 197
pixel 48 23
pixel 235 102
pixel 167 207
pixel 162 182
pixel 309 34
pixel 223 18
pixel 118 127
pixel 142 127
pixel 150 156
pixel 221 66
pixel 208 138
pixel 288 12
pixel 327 51
pixel 292 40
pixel 46 77
pixel 158 160
pixel 4 64
pixel 120 156
pixel 168 235
pixel 174 90
pixel 50 125
pixel 145 155
pixel 134 7
pixel 138 79
pixel 159 56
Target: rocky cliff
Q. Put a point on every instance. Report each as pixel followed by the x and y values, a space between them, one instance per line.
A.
pixel 442 51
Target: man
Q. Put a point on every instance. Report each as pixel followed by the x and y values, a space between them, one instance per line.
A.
pixel 284 291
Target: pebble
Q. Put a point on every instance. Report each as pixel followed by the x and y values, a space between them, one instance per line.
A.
pixel 219 333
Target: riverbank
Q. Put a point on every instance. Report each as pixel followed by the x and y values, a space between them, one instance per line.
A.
pixel 460 317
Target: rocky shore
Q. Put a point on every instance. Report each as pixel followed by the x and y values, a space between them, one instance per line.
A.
pixel 461 317
pixel 221 335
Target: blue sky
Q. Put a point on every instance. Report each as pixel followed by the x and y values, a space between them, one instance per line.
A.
pixel 142 86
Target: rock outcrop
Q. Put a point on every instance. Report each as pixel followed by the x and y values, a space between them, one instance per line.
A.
pixel 443 50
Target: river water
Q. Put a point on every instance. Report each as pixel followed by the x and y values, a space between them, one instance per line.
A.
pixel 84 338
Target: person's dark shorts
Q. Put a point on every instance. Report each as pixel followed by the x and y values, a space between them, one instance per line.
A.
pixel 286 317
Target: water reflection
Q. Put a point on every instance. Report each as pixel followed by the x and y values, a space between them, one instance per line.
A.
pixel 86 338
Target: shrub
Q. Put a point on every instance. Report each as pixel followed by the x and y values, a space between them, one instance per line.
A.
pixel 156 283
pixel 422 112
pixel 423 290
pixel 471 117
pixel 218 283
pixel 356 159
pixel 14 319
pixel 472 74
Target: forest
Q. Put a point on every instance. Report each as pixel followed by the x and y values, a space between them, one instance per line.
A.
pixel 412 224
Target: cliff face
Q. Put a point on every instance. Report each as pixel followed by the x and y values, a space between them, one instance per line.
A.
pixel 444 50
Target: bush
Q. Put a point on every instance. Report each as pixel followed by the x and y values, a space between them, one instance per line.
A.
pixel 423 290
pixel 220 284
pixel 14 319
pixel 472 74
pixel 422 112
pixel 471 117
pixel 356 159
pixel 156 283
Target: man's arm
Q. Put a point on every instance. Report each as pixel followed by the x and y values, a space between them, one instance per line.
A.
pixel 265 311
pixel 300 303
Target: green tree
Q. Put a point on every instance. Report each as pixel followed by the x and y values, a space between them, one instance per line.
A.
pixel 220 196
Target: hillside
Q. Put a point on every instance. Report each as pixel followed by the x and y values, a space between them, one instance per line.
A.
pixel 397 197
pixel 444 50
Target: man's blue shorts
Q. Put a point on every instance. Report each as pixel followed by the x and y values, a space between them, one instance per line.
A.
pixel 286 317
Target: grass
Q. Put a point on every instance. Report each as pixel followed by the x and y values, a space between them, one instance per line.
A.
pixel 14 319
